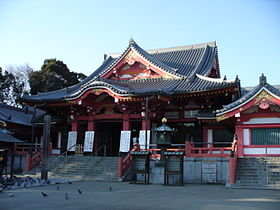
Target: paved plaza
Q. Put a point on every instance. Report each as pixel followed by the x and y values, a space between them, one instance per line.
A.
pixel 115 195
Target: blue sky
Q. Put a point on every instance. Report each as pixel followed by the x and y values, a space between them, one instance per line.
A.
pixel 80 32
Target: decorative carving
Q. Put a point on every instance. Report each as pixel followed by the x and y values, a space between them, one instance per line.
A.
pixel 264 100
pixel 262 79
pixel 263 95
pixel 130 57
pixel 275 108
pixel 252 110
pixel 264 105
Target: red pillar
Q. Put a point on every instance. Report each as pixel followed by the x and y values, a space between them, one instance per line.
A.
pixel 92 127
pixel 126 122
pixel 232 169
pixel 144 124
pixel 91 124
pixel 74 125
pixel 28 163
pixel 239 133
pixel 120 167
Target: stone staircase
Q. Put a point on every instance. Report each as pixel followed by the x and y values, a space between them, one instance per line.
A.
pixel 84 167
pixel 258 172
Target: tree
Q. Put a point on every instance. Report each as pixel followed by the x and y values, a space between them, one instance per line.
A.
pixel 14 84
pixel 54 75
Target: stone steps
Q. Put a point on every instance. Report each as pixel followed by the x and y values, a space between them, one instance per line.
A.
pixel 258 172
pixel 85 167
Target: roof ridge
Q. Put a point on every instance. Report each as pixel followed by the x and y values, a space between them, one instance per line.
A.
pixel 220 80
pixel 173 49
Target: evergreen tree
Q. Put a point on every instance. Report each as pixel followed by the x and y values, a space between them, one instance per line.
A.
pixel 54 75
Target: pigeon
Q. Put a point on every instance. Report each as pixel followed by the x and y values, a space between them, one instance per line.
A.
pixel 110 188
pixel 66 196
pixel 44 194
pixel 57 187
pixel 11 194
pixel 69 182
pixel 79 191
pixel 48 181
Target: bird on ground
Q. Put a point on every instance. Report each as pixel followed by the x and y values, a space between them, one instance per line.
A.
pixel 44 194
pixel 110 188
pixel 66 196
pixel 48 181
pixel 11 194
pixel 57 187
pixel 79 191
pixel 69 182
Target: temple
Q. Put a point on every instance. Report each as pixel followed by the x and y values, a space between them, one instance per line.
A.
pixel 217 130
pixel 182 84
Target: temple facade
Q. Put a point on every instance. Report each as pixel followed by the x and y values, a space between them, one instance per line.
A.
pixel 128 95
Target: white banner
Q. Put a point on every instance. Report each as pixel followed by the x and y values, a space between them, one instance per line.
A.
pixel 125 141
pixel 72 139
pixel 89 140
pixel 142 136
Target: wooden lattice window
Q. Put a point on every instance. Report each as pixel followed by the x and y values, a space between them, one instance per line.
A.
pixel 266 136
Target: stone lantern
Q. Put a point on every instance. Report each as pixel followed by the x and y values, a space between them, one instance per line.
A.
pixel 163 138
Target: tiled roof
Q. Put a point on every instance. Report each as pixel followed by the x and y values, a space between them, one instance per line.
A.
pixel 174 153
pixel 5 137
pixel 11 114
pixel 249 95
pixel 140 152
pixel 189 64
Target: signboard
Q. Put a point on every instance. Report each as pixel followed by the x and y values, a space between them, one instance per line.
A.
pixel 89 140
pixel 125 141
pixel 142 137
pixel 209 172
pixel 72 139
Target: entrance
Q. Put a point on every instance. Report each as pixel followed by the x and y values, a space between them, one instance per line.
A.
pixel 186 131
pixel 108 134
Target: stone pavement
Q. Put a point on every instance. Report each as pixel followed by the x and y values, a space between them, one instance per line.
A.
pixel 97 195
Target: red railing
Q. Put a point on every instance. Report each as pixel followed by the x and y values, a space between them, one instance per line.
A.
pixel 210 150
pixel 123 164
pixel 34 160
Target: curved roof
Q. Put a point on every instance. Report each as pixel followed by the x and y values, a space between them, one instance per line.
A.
pixel 190 66
pixel 11 114
pixel 263 85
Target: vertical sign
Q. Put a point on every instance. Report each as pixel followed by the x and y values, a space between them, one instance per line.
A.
pixel 89 139
pixel 142 136
pixel 72 139
pixel 125 141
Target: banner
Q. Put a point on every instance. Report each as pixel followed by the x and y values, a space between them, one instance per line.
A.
pixel 125 141
pixel 89 140
pixel 142 137
pixel 72 139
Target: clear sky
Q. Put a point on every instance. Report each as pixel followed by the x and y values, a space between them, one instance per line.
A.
pixel 79 32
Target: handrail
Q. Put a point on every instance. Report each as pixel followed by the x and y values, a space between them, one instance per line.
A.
pixel 105 149
pixel 64 152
